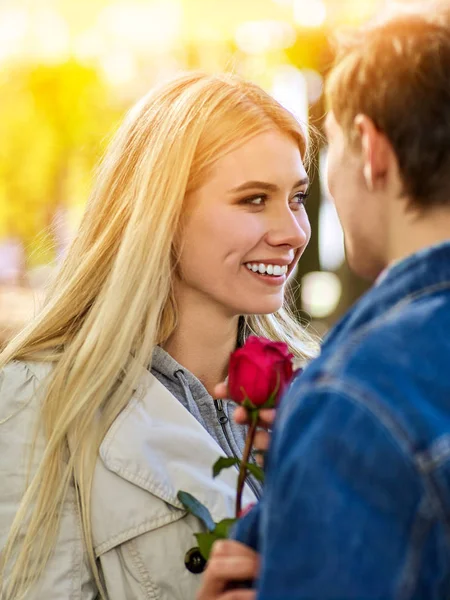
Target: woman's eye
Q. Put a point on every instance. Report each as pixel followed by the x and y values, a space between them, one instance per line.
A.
pixel 300 199
pixel 255 200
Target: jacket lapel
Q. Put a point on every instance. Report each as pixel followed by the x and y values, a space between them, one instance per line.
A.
pixel 157 445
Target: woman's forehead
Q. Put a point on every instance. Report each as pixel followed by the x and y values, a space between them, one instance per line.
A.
pixel 270 155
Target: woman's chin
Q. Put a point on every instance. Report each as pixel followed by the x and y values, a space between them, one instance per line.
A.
pixel 262 307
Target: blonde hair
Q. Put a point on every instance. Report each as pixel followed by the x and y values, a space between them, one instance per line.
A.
pixel 119 270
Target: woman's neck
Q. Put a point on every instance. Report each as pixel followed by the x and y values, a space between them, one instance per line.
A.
pixel 202 342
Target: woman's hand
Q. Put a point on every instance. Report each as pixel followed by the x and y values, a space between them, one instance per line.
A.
pixel 230 562
pixel 266 419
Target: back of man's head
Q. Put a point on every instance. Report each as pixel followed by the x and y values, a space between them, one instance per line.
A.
pixel 397 73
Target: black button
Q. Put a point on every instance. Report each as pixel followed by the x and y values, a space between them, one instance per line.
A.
pixel 194 561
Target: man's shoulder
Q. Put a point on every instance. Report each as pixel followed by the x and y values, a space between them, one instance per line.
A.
pixel 402 339
pixel 395 368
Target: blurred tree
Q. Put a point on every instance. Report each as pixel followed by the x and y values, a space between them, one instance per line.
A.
pixel 312 50
pixel 53 119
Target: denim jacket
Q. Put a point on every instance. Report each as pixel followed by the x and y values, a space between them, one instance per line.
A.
pixel 357 496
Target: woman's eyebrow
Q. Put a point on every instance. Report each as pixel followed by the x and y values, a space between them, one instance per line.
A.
pixel 301 182
pixel 270 187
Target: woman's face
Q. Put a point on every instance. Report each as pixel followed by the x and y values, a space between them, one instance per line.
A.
pixel 245 228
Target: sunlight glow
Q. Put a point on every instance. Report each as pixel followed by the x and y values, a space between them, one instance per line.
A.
pixel 14 25
pixel 145 27
pixel 89 44
pixel 257 37
pixel 309 13
pixel 289 88
pixel 119 67
pixel 314 84
pixel 51 35
pixel 331 236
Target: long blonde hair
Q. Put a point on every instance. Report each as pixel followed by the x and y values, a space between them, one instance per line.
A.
pixel 119 271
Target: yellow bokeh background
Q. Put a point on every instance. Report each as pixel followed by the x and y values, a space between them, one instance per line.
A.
pixel 70 69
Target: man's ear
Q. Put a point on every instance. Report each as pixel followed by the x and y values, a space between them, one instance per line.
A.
pixel 376 151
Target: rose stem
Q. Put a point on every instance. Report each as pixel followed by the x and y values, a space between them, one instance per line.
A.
pixel 245 456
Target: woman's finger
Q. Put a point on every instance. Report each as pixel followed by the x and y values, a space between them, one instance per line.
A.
pixel 221 390
pixel 232 548
pixel 261 445
pixel 261 441
pixel 229 561
pixel 266 416
pixel 238 595
pixel 241 415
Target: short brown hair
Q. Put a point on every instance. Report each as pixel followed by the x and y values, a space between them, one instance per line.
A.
pixel 398 74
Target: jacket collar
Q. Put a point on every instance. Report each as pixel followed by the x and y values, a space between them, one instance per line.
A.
pixel 157 445
pixel 418 274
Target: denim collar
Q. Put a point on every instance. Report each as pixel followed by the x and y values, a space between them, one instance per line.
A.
pixel 428 268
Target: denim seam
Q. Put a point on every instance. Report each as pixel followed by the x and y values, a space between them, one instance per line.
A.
pixel 353 392
pixel 427 463
pixel 354 337
pixel 438 505
pixel 435 455
pixel 407 584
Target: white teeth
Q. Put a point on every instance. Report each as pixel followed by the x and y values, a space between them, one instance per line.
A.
pixel 277 270
pixel 261 268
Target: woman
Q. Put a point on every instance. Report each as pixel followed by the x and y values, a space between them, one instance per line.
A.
pixel 196 221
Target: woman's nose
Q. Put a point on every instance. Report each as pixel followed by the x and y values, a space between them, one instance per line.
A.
pixel 289 228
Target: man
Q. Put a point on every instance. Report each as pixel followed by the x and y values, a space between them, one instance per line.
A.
pixel 357 498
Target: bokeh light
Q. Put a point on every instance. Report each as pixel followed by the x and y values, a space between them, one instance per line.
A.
pixel 321 291
pixel 310 13
pixel 70 70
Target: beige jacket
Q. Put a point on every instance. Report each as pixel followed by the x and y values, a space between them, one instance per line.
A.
pixel 141 533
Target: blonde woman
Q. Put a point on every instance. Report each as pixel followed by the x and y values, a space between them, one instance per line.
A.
pixel 193 228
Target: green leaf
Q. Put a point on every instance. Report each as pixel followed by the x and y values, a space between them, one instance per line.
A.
pixel 196 508
pixel 256 471
pixel 224 463
pixel 205 542
pixel 223 527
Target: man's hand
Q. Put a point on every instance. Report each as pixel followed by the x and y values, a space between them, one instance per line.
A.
pixel 229 562
pixel 266 419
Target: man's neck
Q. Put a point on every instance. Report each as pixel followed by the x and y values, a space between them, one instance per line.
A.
pixel 411 233
pixel 203 340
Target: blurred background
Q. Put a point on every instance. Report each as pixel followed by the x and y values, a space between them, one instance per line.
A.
pixel 69 70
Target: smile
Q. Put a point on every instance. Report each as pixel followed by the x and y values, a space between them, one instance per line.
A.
pixel 267 269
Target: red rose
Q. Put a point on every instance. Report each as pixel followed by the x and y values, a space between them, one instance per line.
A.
pixel 259 372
